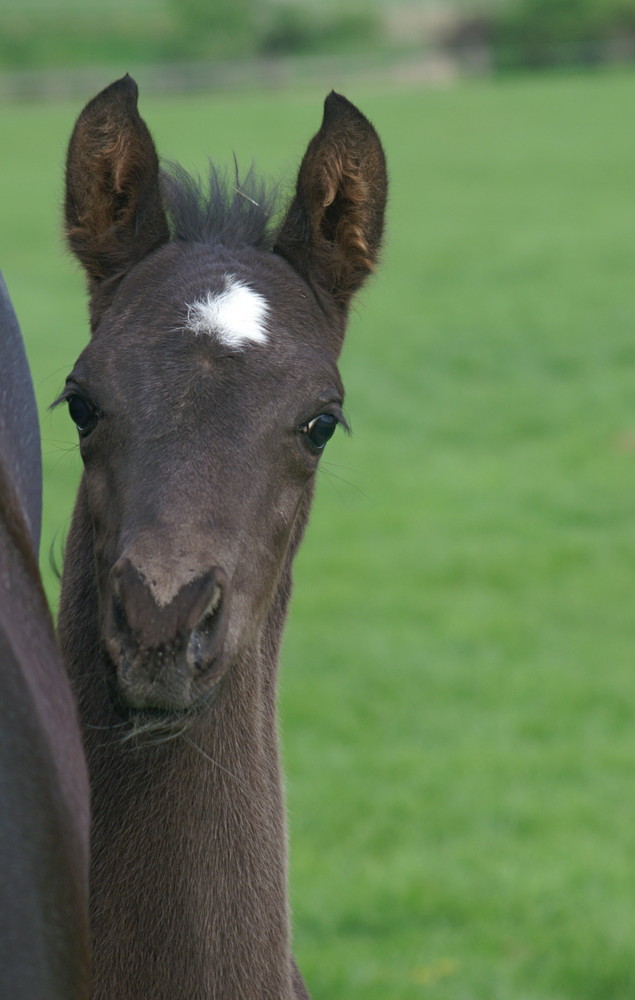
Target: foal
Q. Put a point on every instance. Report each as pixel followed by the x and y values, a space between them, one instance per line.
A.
pixel 203 402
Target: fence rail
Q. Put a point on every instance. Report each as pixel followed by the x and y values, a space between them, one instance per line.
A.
pixel 58 84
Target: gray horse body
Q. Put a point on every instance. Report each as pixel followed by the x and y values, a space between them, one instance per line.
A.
pixel 44 824
pixel 19 427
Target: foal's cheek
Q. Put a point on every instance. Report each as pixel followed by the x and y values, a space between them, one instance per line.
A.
pixel 103 506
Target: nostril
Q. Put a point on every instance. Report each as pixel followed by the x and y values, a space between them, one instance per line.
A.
pixel 208 621
pixel 207 633
pixel 214 603
pixel 118 613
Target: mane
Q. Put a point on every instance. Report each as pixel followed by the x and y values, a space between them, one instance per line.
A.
pixel 223 209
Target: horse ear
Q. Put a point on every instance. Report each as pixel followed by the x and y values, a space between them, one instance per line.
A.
pixel 332 231
pixel 113 210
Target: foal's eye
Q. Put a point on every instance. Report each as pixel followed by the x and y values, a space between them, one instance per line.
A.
pixel 320 430
pixel 82 414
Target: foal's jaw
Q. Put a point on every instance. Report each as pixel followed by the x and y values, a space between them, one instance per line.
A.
pixel 170 657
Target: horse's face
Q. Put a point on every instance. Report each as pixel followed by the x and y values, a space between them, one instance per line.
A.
pixel 206 395
pixel 203 405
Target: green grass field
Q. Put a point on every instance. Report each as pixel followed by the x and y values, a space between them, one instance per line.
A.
pixel 458 698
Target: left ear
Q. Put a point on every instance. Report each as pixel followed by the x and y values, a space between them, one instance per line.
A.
pixel 333 229
pixel 113 211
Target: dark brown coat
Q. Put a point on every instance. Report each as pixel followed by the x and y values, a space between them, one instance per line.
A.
pixel 200 448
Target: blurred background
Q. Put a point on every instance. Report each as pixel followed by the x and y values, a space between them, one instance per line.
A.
pixel 457 692
pixel 279 41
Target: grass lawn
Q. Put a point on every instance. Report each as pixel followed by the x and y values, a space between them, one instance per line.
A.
pixel 458 702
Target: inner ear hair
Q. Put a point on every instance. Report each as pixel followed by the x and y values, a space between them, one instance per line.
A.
pixel 113 210
pixel 332 232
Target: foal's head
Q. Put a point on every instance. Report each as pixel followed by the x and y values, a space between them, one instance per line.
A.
pixel 210 386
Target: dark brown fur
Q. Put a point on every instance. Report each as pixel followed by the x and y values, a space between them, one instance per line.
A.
pixel 198 482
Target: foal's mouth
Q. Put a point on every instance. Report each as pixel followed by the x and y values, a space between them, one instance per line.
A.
pixel 157 725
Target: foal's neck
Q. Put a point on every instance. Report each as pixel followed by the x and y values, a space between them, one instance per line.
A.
pixel 188 882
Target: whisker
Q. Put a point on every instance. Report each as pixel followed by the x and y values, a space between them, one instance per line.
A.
pixel 114 725
pixel 72 453
pixel 214 762
pixel 348 468
pixel 246 196
pixel 153 735
pixel 59 445
pixel 161 732
pixel 46 378
pixel 334 476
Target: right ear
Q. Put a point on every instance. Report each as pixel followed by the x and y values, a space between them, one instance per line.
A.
pixel 333 229
pixel 113 211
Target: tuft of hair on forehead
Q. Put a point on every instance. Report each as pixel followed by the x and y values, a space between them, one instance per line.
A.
pixel 223 208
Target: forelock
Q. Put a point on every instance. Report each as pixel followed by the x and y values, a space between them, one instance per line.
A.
pixel 226 209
